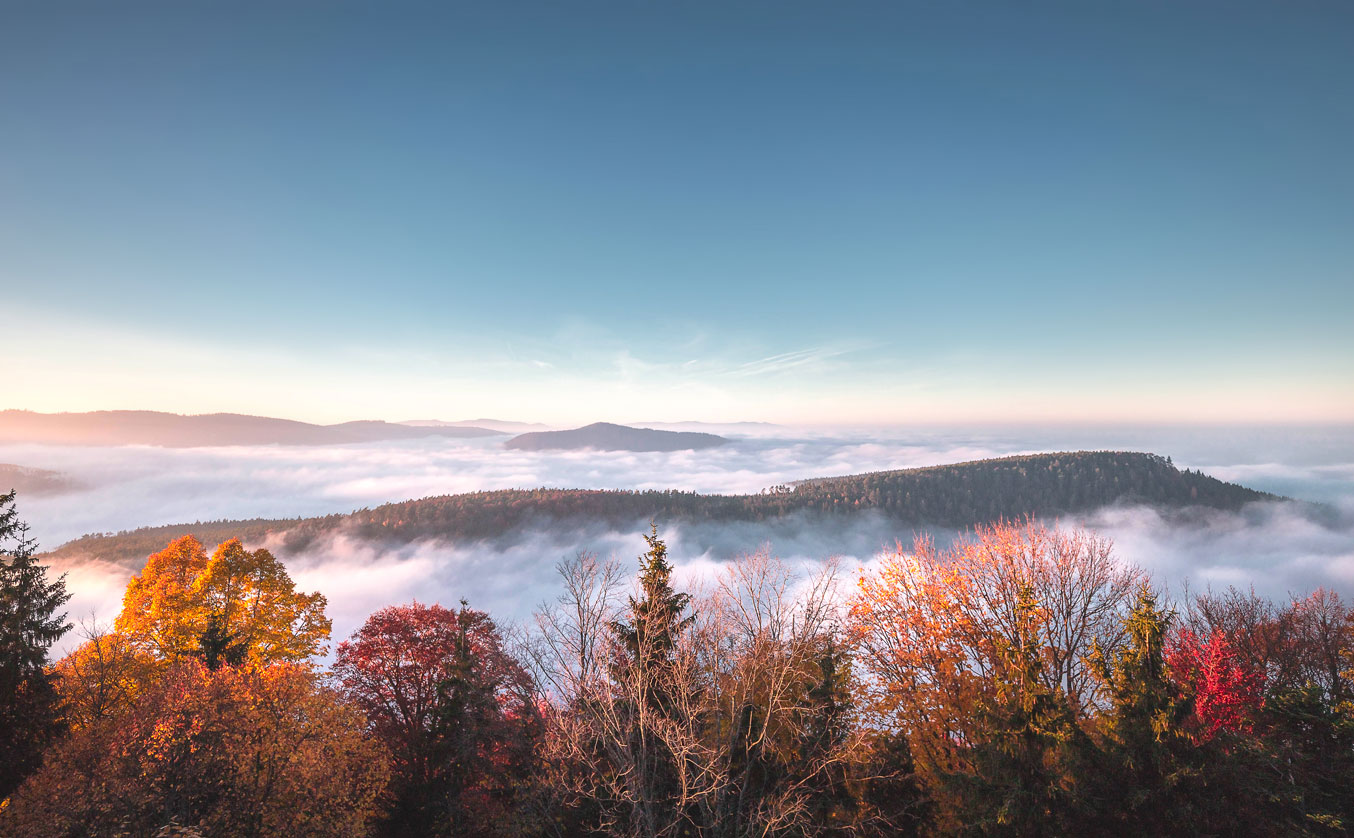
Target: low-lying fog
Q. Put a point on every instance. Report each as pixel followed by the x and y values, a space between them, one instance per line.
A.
pixel 1271 546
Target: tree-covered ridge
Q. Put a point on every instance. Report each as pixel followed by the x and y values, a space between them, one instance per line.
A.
pixel 955 496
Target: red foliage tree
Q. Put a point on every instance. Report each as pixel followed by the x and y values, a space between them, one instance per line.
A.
pixel 456 711
pixel 1227 692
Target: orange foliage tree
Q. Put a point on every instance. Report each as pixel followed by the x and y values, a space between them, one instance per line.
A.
pixel 101 678
pixel 241 751
pixel 236 605
pixel 932 626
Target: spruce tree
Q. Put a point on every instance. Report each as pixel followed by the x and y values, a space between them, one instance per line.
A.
pixel 29 625
pixel 1023 777
pixel 656 619
pixel 649 637
pixel 1149 773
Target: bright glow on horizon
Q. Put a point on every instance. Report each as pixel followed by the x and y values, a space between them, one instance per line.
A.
pixel 83 368
pixel 856 215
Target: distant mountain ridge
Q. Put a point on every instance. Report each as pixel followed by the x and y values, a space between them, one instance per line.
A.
pixel 504 425
pixel 953 496
pixel 605 436
pixel 173 430
pixel 33 481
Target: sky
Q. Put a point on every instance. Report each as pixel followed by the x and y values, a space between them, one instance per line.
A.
pixel 787 212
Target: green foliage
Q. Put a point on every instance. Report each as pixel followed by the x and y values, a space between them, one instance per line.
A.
pixel 1021 778
pixel 955 496
pixel 656 617
pixel 1310 744
pixel 29 625
pixel 1147 762
pixel 892 800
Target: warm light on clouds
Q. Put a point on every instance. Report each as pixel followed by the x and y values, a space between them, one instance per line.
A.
pixel 64 364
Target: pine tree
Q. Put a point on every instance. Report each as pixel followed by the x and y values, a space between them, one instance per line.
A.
pixel 463 728
pixel 29 625
pixel 218 645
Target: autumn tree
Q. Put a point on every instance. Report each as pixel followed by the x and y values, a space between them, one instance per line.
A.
pixel 101 678
pixel 456 712
pixel 938 631
pixel 30 623
pixel 776 706
pixel 1226 693
pixel 235 606
pixel 1021 774
pixel 248 752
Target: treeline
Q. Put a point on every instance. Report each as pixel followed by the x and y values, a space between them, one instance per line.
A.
pixel 951 496
pixel 1023 681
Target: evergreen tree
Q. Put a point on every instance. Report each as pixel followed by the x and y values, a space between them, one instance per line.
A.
pixel 1023 773
pixel 1149 771
pixel 649 637
pixel 1311 740
pixel 896 804
pixel 656 619
pixel 218 645
pixel 463 728
pixel 826 726
pixel 29 625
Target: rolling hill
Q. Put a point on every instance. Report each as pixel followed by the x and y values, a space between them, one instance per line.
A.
pixel 604 436
pixel 33 481
pixel 950 496
pixel 172 430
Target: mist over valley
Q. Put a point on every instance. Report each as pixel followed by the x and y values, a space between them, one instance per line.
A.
pixel 1275 544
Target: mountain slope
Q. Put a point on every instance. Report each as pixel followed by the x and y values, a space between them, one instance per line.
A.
pixel 604 436
pixel 33 481
pixel 951 496
pixel 172 430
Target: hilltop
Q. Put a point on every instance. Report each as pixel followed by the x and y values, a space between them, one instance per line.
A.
pixel 605 436
pixel 952 496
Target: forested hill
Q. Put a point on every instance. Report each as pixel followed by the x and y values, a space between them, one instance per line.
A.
pixel 952 496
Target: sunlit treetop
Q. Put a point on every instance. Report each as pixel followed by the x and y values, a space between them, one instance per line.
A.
pixel 238 605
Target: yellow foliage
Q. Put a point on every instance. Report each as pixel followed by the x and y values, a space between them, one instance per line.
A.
pixel 101 678
pixel 169 607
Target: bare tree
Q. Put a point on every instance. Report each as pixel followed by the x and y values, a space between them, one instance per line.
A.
pixel 719 724
pixel 567 650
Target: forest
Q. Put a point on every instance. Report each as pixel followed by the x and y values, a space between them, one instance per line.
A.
pixel 1024 680
pixel 950 496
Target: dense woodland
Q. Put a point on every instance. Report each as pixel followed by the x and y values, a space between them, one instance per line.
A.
pixel 1024 680
pixel 950 496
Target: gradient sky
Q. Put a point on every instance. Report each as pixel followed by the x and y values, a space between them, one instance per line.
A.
pixel 794 212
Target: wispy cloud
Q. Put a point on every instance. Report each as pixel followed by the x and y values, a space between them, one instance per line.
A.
pixel 785 361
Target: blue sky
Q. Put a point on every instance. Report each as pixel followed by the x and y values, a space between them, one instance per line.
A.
pixel 795 212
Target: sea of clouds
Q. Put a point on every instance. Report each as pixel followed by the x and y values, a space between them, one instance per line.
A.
pixel 1276 547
